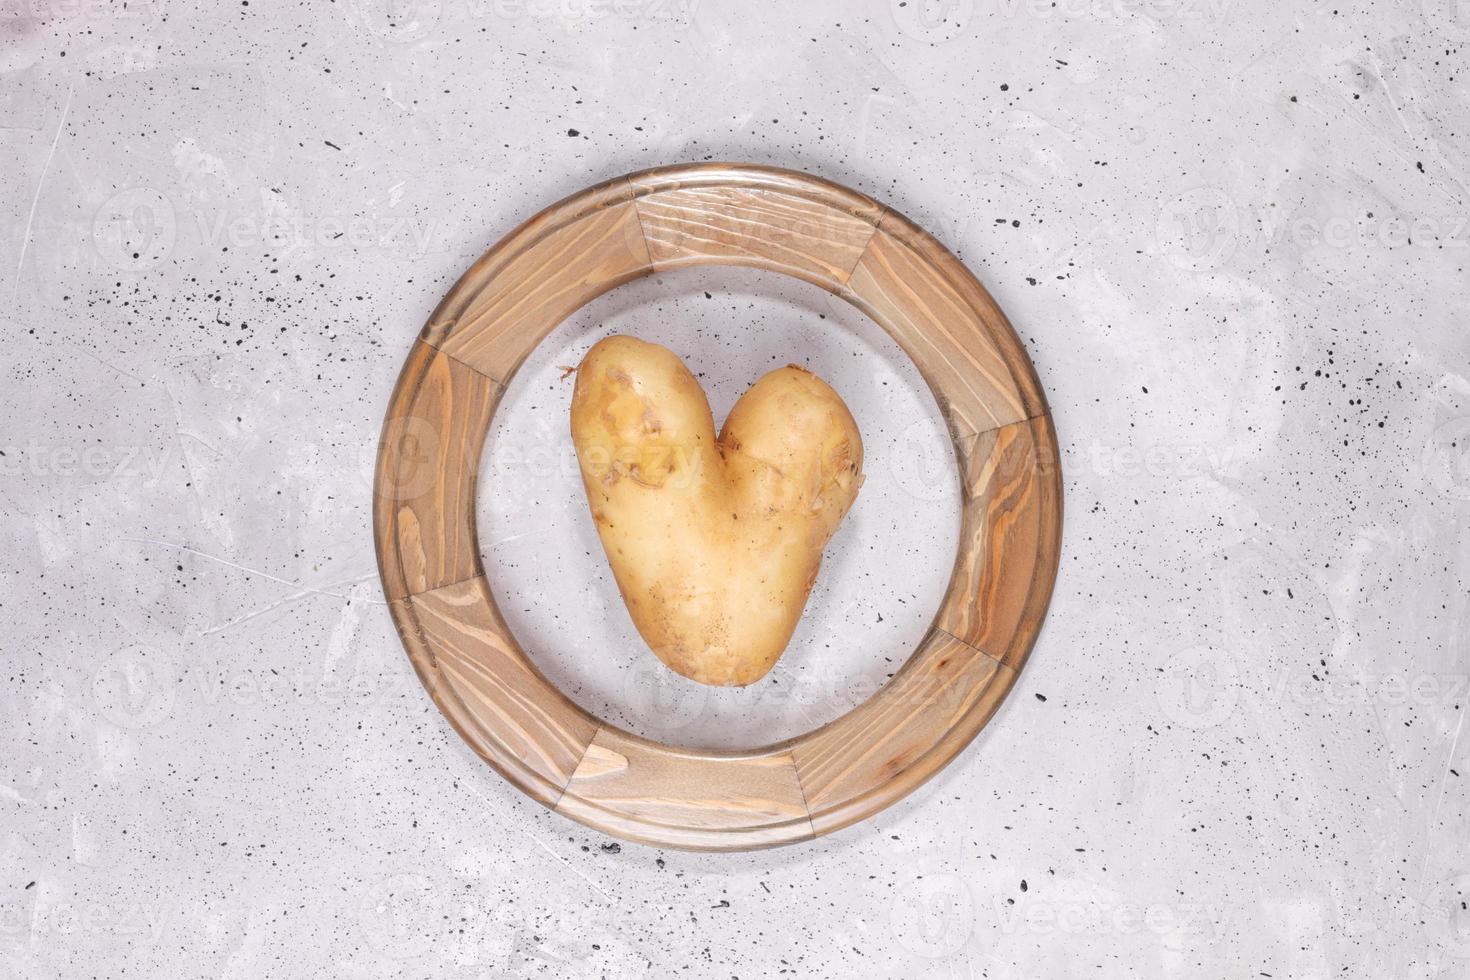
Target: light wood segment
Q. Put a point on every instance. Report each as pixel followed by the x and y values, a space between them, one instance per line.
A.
pixel 492 693
pixel 887 747
pixel 946 322
pixel 700 800
pixel 428 460
pixel 704 218
pixel 757 177
pixel 1009 540
pixel 976 297
pixel 523 288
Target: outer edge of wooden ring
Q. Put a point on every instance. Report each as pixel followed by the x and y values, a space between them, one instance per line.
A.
pixel 753 176
pixel 523 236
pixel 953 740
pixel 1023 371
pixel 448 701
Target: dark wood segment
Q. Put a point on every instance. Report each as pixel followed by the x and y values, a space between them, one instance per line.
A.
pixel 702 800
pixel 1009 539
pixel 500 703
pixel 885 748
pixel 778 225
pixel 428 461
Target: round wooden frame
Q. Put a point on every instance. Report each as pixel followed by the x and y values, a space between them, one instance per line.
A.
pixel 429 554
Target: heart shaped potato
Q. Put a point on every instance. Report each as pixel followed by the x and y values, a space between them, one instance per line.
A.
pixel 715 543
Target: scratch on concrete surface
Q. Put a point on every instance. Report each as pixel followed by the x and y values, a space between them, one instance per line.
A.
pixel 255 571
pixel 25 240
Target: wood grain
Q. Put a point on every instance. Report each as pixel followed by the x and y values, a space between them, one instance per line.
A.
pixel 943 319
pixel 1009 539
pixel 887 747
pixel 428 458
pixel 492 693
pixel 490 690
pixel 704 219
pixel 524 287
pixel 978 299
pixel 701 800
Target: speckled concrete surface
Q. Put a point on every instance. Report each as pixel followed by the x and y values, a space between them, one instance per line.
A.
pixel 1234 236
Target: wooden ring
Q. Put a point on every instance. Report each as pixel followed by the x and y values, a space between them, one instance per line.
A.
pixel 429 554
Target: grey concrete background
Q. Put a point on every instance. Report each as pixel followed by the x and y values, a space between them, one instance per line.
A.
pixel 1233 235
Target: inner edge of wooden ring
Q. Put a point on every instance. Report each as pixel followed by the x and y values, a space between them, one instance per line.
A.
pixel 628 189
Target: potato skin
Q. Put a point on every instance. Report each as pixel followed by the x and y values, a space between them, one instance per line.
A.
pixel 714 542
